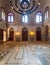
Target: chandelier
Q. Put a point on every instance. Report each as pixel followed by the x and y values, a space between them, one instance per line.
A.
pixel 24 6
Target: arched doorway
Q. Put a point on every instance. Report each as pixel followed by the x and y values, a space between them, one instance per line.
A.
pixel 38 34
pixel 1 34
pixel 11 34
pixel 46 32
pixel 24 34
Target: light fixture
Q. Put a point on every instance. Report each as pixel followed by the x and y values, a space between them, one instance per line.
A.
pixel 17 33
pixel 24 6
pixel 49 31
pixel 32 33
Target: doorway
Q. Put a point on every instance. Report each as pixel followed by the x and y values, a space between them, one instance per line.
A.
pixel 11 34
pixel 1 34
pixel 38 34
pixel 24 34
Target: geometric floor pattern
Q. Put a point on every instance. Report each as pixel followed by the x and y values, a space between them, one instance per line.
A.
pixel 29 54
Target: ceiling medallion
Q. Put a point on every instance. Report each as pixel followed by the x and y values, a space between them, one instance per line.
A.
pixel 24 6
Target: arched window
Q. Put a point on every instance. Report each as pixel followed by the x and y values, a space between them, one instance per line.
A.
pixel 10 17
pixel 46 13
pixel 38 17
pixel 24 18
pixel 3 15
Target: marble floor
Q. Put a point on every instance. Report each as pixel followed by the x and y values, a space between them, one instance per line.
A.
pixel 28 54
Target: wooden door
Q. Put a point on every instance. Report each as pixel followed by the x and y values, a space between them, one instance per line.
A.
pixel 38 34
pixel 1 34
pixel 24 34
pixel 11 36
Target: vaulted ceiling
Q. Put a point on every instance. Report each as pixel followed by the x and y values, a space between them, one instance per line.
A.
pixel 6 3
